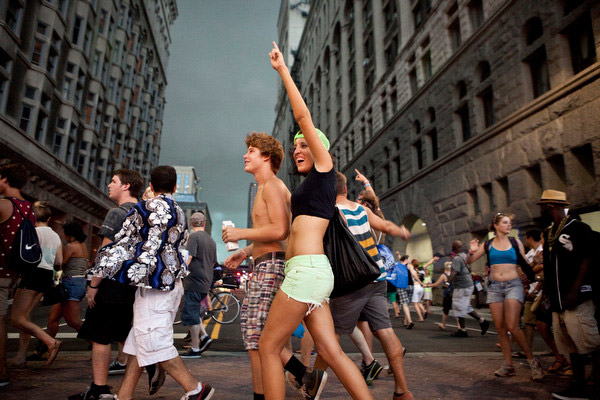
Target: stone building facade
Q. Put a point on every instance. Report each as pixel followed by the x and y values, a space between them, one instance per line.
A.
pixel 456 110
pixel 82 93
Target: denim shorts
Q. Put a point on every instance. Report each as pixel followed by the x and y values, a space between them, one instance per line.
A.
pixel 308 279
pixel 75 288
pixel 498 291
pixel 190 312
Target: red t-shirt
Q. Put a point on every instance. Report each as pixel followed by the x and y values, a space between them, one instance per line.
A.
pixel 8 231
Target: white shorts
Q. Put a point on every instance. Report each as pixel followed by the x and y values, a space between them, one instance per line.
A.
pixel 576 331
pixel 428 295
pixel 461 302
pixel 151 336
pixel 417 293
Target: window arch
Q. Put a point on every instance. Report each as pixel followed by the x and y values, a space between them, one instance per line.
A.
pixel 484 70
pixel 461 89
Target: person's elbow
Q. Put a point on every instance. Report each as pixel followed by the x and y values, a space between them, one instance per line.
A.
pixel 280 233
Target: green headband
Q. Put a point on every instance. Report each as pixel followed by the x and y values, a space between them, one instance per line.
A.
pixel 322 136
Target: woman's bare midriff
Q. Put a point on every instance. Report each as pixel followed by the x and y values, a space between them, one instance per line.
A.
pixel 503 272
pixel 306 236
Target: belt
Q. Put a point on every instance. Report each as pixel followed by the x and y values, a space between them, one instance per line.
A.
pixel 275 255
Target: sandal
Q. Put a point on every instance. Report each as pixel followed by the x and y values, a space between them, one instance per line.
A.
pixel 557 366
pixel 53 352
pixel 441 326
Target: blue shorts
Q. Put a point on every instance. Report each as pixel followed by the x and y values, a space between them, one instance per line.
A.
pixel 498 291
pixel 190 312
pixel 75 288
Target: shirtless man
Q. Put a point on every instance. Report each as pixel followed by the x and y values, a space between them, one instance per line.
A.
pixel 271 224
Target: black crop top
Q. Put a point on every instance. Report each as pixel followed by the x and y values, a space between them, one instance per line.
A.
pixel 316 195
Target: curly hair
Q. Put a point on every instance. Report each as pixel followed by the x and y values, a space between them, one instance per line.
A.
pixel 268 146
pixel 371 200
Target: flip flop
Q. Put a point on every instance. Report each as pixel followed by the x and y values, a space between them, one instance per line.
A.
pixel 53 352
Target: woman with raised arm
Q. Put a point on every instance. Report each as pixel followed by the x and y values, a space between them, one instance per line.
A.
pixel 304 294
pixel 505 293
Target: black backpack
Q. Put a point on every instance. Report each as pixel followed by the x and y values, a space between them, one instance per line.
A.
pixel 26 252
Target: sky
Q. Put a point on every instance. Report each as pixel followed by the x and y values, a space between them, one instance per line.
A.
pixel 220 86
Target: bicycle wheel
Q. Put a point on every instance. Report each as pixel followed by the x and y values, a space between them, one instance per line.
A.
pixel 226 308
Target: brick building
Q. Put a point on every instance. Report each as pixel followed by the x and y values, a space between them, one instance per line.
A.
pixel 456 110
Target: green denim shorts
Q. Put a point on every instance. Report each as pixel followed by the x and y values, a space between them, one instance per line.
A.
pixel 308 279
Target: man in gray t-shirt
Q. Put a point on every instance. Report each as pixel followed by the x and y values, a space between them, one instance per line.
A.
pixel 202 259
pixel 463 289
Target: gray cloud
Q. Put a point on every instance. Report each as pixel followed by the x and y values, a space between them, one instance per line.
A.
pixel 220 87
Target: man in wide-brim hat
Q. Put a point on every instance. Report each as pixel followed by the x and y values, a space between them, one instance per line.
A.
pixel 568 251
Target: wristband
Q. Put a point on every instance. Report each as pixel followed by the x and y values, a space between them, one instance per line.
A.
pixel 367 184
pixel 245 255
pixel 94 287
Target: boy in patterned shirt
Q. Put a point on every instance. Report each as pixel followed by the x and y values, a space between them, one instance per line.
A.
pixel 146 254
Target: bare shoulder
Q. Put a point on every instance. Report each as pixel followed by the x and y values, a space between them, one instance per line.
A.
pixel 6 209
pixel 276 187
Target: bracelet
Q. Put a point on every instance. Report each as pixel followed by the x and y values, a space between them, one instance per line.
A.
pixel 245 255
pixel 367 184
pixel 94 287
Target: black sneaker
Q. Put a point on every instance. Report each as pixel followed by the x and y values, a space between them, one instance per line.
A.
pixel 91 393
pixel 371 372
pixel 459 333
pixel 116 368
pixel 313 384
pixel 205 344
pixel 573 392
pixel 156 377
pixel 191 354
pixel 205 394
pixel 484 326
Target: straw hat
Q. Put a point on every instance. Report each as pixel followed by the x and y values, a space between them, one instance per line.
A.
pixel 554 197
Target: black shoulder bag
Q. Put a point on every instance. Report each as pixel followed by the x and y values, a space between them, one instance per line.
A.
pixel 353 268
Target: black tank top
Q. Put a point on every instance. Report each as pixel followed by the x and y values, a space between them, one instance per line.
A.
pixel 316 195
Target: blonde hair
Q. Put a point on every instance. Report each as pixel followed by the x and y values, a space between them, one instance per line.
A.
pixel 448 265
pixel 42 211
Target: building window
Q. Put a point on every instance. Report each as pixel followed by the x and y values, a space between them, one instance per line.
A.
pixel 412 77
pixel 76 33
pixel 418 146
pixel 14 14
pixel 476 13
pixel 454 33
pixel 30 92
pixel 37 53
pixel 426 64
pixel 433 141
pixel 465 124
pixel 420 11
pixel 57 144
pixel 103 21
pixel 40 130
pixel 487 102
pixel 538 70
pixel 581 43
pixel 26 117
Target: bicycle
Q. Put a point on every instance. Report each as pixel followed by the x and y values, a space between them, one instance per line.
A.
pixel 225 306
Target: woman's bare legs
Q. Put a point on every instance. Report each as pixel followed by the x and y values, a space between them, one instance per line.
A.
pixel 512 313
pixel 284 316
pixel 24 338
pixel 497 310
pixel 24 300
pixel 419 310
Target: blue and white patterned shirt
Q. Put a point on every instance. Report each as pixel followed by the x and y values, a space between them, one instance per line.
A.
pixel 145 252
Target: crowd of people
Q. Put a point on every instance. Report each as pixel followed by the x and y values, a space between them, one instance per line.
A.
pixel 148 262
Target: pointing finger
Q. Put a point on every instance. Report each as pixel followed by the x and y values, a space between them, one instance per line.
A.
pixel 275 46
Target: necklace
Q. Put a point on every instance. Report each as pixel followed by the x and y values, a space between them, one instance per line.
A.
pixel 552 237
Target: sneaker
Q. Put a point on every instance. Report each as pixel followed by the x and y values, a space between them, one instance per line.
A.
pixel 371 372
pixel 313 384
pixel 537 372
pixel 505 370
pixel 90 394
pixel 292 381
pixel 484 326
pixel 459 333
pixel 205 394
pixel 191 354
pixel 404 396
pixel 109 396
pixel 573 392
pixel 205 344
pixel 116 368
pixel 4 382
pixel 156 378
